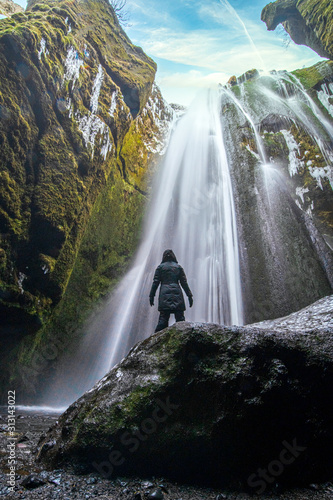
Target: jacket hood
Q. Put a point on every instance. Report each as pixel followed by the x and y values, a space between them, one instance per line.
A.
pixel 169 256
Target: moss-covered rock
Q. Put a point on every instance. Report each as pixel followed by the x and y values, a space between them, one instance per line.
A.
pixel 277 133
pixel 209 403
pixel 308 22
pixel 8 8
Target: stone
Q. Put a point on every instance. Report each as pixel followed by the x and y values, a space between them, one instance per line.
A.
pixel 32 482
pixel 232 81
pixel 156 494
pixel 253 397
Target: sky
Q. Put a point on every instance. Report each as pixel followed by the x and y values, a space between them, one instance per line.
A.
pixel 201 43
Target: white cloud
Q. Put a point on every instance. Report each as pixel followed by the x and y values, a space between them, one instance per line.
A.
pixel 193 78
pixel 209 50
pixel 195 48
pixel 183 87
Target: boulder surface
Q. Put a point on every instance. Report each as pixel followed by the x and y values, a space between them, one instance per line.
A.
pixel 204 402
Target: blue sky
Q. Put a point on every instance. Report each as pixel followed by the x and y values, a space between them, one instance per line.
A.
pixel 200 43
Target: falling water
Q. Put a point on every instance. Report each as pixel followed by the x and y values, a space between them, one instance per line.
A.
pixel 192 212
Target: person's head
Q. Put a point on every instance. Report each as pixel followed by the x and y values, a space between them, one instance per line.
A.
pixel 169 256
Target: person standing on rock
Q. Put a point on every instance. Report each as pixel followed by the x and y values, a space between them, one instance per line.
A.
pixel 171 301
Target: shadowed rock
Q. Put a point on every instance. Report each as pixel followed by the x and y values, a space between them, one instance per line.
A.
pixel 306 22
pixel 203 402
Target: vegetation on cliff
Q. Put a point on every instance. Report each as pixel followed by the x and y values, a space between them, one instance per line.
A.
pixel 79 116
pixel 287 128
pixel 8 8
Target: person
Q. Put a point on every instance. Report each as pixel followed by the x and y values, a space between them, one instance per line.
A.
pixel 171 300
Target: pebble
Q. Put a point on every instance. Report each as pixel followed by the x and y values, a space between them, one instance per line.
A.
pixel 147 485
pixel 92 480
pixel 156 494
pixel 32 481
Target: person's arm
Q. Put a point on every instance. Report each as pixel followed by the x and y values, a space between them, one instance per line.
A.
pixel 186 288
pixel 154 287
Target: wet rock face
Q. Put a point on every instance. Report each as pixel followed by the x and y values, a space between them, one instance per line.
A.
pixel 72 83
pixel 81 127
pixel 306 22
pixel 203 402
pixel 284 212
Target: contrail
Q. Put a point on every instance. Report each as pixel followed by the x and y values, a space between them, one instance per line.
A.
pixel 233 12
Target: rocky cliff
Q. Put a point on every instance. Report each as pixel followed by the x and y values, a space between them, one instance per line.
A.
pixel 308 22
pixel 8 8
pixel 279 133
pixel 208 403
pixel 81 124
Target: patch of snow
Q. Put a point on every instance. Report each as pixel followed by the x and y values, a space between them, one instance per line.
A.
pixel 72 65
pixel 107 144
pixel 90 125
pixel 69 28
pixel 324 95
pixel 43 49
pixel 295 164
pixel 310 208
pixel 164 117
pixel 86 52
pixel 45 269
pixel 253 153
pixel 322 173
pixel 96 90
pixel 113 105
pixel 300 192
pixel 69 107
pixel 21 278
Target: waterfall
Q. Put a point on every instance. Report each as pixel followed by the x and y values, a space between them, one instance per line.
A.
pixel 192 211
pixel 272 262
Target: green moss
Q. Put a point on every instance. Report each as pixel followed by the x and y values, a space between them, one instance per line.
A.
pixel 319 16
pixel 69 218
pixel 311 77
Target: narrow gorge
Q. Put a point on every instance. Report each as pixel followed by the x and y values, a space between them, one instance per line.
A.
pixel 99 175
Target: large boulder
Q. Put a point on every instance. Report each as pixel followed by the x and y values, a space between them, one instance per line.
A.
pixel 308 22
pixel 239 406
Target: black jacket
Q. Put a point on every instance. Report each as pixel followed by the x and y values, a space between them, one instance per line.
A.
pixel 170 274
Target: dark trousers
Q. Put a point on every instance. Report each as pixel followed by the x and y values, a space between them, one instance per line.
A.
pixel 163 320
